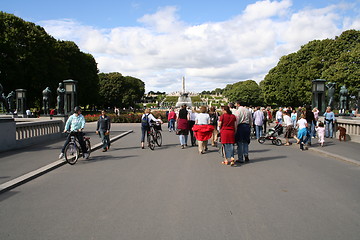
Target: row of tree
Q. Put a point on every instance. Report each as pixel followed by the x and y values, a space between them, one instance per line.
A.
pixel 289 83
pixel 31 59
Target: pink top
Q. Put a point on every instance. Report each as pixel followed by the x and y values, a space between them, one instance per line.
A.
pixel 320 130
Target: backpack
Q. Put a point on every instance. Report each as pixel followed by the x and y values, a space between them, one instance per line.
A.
pixel 213 119
pixel 145 121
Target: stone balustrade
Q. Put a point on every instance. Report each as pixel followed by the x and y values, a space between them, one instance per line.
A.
pixel 26 130
pixel 352 126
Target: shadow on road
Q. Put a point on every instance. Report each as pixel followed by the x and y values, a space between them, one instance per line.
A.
pixel 259 150
pixel 262 159
pixel 94 159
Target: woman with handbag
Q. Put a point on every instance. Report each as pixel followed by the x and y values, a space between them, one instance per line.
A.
pixel 183 125
pixel 227 126
pixel 103 129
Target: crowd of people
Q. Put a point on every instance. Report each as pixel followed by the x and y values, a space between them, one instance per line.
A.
pixel 235 125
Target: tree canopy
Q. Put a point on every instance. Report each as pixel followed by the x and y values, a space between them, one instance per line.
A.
pixel 117 90
pixel 335 60
pixel 248 92
pixel 33 60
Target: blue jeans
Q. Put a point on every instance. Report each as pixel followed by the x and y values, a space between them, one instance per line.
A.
pixel 243 150
pixel 313 130
pixel 328 129
pixel 183 139
pixel 105 139
pixel 172 124
pixel 307 139
pixel 258 130
pixel 229 150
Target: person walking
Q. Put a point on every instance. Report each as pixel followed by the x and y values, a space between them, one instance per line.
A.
pixel 302 131
pixel 289 132
pixel 103 129
pixel 172 120
pixel 242 135
pixel 227 125
pixel 329 122
pixel 293 117
pixel 202 129
pixel 146 120
pixel 310 118
pixel 193 114
pixel 320 129
pixel 214 118
pixel 265 119
pixel 313 126
pixel 279 115
pixel 258 122
pixel 183 125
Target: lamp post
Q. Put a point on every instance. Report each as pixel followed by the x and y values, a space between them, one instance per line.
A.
pixel 318 94
pixel 20 101
pixel 70 100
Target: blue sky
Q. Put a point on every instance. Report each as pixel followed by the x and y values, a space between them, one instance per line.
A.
pixel 210 43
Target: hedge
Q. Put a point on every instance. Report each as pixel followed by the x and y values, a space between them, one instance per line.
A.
pixel 126 118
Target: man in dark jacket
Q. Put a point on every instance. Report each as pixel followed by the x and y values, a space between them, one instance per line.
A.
pixel 103 128
pixel 310 118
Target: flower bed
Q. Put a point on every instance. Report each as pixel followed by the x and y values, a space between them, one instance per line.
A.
pixel 126 118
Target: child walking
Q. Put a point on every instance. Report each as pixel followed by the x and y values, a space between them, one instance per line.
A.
pixel 320 129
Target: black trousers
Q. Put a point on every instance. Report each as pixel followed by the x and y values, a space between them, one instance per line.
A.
pixel 80 137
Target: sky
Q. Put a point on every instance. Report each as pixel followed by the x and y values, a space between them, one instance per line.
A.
pixel 210 43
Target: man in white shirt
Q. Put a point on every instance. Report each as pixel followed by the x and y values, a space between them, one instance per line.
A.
pixel 258 121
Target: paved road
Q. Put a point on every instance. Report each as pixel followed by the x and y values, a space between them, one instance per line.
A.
pixel 170 193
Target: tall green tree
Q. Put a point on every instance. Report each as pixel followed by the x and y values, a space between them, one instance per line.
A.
pixel 33 60
pixel 248 92
pixel 336 60
pixel 117 90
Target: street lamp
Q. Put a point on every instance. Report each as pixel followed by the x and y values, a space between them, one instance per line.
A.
pixel 21 101
pixel 318 94
pixel 70 100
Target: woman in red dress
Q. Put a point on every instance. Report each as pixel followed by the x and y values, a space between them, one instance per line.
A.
pixel 227 126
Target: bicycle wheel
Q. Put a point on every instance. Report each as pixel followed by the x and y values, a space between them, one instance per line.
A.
pixel 88 146
pixel 71 153
pixel 158 138
pixel 151 141
pixel 261 140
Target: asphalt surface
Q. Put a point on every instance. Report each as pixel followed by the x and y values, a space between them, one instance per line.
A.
pixel 173 193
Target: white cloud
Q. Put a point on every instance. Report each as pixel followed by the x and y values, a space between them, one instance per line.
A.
pixel 210 55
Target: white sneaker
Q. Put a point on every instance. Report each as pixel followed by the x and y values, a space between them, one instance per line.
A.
pixel 61 155
pixel 86 155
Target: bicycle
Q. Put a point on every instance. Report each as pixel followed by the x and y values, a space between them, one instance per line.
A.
pixel 154 135
pixel 73 148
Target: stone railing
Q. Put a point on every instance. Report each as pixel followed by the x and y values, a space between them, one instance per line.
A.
pixel 26 130
pixel 352 126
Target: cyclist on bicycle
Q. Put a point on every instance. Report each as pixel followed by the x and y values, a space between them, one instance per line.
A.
pixel 75 124
pixel 146 120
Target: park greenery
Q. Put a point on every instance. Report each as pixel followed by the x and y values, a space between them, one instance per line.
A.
pixel 31 59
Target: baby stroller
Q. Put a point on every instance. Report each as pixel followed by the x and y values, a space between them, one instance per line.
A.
pixel 272 135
